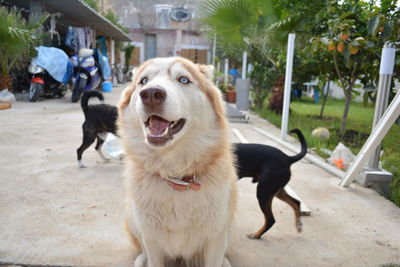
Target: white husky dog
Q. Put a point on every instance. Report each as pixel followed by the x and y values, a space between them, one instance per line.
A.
pixel 180 175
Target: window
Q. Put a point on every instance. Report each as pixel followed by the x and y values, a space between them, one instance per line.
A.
pixel 162 13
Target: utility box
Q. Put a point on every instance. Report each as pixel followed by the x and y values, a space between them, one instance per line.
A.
pixel 242 94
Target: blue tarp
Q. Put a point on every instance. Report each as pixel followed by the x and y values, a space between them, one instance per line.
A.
pixel 55 62
pixel 104 65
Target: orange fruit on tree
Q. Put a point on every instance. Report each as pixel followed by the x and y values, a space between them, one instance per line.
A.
pixel 354 50
pixel 331 45
pixel 344 36
pixel 340 47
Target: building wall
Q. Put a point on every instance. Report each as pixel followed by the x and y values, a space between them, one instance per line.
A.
pixel 143 17
pixel 141 13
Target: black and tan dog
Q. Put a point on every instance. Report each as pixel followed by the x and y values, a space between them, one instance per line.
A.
pixel 100 119
pixel 270 167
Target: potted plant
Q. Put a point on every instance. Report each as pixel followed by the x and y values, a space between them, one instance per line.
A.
pixel 230 93
pixel 18 38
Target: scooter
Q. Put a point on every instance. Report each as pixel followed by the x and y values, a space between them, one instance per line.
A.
pixel 87 74
pixel 118 73
pixel 42 84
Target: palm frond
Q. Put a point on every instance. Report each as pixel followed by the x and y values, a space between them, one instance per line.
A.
pixel 228 18
pixel 17 38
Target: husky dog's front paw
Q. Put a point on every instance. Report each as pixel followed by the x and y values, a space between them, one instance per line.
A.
pixel 140 260
pixel 226 263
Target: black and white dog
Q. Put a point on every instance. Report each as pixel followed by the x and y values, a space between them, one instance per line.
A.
pixel 100 119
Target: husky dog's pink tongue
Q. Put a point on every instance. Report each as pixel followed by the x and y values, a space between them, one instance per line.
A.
pixel 158 125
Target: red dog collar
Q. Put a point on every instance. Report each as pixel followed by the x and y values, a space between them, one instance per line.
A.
pixel 187 183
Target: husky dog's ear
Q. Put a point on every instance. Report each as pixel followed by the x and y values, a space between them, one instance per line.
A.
pixel 127 92
pixel 133 73
pixel 126 96
pixel 207 70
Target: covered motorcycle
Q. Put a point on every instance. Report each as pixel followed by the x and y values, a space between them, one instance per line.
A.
pixel 50 72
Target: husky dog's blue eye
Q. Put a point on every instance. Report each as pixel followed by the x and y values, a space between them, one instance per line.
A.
pixel 144 80
pixel 184 80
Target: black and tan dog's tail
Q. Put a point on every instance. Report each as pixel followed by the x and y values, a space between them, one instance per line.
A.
pixel 89 94
pixel 303 143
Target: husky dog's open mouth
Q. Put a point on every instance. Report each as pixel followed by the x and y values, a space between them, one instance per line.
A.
pixel 160 130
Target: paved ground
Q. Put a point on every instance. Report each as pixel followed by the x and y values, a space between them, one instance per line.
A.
pixel 53 213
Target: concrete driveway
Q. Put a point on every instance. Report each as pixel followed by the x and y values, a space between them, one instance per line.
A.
pixel 53 213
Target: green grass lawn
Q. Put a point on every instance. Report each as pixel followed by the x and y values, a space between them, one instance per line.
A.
pixel 305 116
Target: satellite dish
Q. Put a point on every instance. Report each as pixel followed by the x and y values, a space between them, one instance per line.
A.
pixel 180 14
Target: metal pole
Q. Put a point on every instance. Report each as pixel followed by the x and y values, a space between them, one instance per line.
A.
pixel 214 49
pixel 226 72
pixel 288 82
pixel 385 78
pixel 244 65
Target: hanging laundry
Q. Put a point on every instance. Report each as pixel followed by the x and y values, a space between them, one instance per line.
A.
pixel 69 38
pixel 101 44
pixel 79 37
pixel 88 37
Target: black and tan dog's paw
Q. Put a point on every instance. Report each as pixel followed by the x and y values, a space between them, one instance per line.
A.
pixel 253 236
pixel 299 226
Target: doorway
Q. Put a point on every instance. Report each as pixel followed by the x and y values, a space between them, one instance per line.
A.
pixel 150 46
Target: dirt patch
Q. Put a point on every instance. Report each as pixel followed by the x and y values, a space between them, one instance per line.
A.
pixel 324 118
pixel 352 138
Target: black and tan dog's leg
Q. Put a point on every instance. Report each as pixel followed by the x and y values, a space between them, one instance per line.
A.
pixel 265 202
pixel 269 220
pixel 295 204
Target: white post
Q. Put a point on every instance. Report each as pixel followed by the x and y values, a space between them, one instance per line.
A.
pixel 244 65
pixel 226 72
pixel 377 135
pixel 122 58
pixel 112 53
pixel 249 68
pixel 381 103
pixel 113 80
pixel 288 83
pixel 382 123
pixel 214 49
pixel 178 41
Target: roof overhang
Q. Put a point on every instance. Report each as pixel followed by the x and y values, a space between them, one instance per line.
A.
pixel 78 14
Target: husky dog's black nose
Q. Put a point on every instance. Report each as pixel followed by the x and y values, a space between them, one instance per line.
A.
pixel 153 97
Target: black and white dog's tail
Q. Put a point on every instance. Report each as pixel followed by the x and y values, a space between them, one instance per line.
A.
pixel 88 94
pixel 303 143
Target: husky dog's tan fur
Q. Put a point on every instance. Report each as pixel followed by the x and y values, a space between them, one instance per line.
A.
pixel 169 226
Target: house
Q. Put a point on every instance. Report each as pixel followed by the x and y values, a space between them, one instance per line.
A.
pixel 159 30
pixel 74 13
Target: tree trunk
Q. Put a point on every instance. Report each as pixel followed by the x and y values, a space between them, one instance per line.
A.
pixel 324 101
pixel 258 101
pixel 5 82
pixel 345 113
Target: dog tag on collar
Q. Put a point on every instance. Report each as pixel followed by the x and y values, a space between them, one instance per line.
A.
pixel 187 183
pixel 177 181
